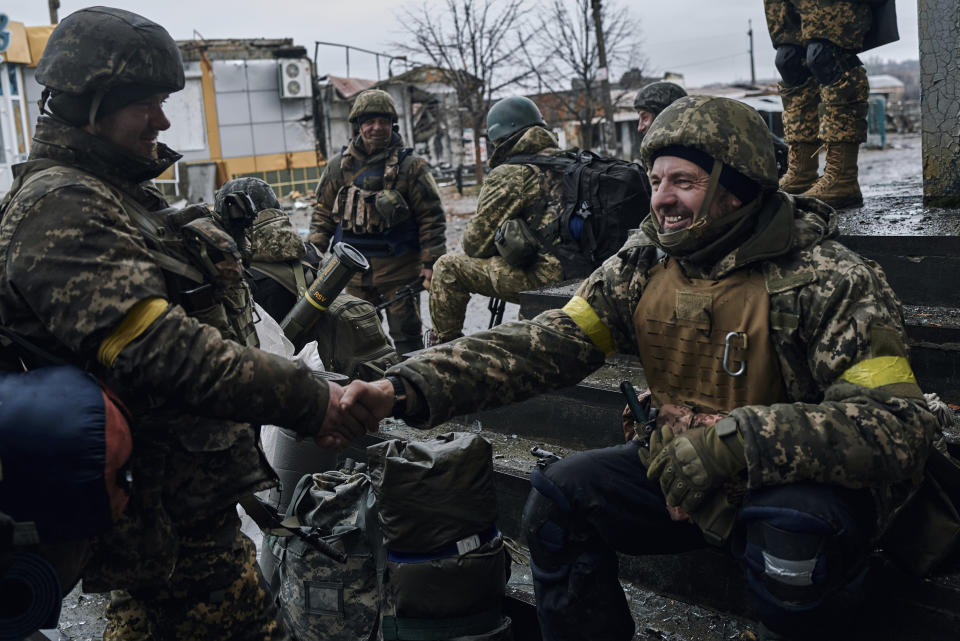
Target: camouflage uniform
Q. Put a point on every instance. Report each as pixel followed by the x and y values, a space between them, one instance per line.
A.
pixel 844 23
pixel 83 279
pixel 391 266
pixel 852 425
pixel 510 191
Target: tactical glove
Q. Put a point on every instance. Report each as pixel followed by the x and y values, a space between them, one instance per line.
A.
pixel 692 465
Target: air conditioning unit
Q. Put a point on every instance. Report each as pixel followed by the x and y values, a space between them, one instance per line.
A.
pixel 295 80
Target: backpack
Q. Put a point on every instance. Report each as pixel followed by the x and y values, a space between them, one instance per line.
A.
pixel 351 340
pixel 446 564
pixel 320 597
pixel 603 198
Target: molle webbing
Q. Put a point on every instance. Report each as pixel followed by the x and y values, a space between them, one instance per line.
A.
pixel 683 329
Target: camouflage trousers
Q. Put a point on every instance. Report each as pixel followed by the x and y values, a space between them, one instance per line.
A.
pixel 831 113
pixel 456 276
pixel 379 284
pixel 811 112
pixel 797 22
pixel 216 593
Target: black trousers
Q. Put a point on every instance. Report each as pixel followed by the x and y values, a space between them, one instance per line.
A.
pixel 802 546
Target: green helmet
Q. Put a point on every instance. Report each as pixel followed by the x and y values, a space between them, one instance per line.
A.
pixel 370 103
pixel 725 129
pixel 657 96
pixel 100 48
pixel 511 115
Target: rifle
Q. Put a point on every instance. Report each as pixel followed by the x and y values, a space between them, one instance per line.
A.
pixel 641 412
pixel 407 291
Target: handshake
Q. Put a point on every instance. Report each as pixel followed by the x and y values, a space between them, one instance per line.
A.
pixel 353 411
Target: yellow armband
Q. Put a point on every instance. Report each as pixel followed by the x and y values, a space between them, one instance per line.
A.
pixel 137 320
pixel 582 314
pixel 881 371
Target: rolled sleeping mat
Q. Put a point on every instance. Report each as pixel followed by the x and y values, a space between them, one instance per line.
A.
pixel 29 597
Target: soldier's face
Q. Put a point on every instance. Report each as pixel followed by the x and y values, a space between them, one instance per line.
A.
pixel 646 119
pixel 136 126
pixel 376 132
pixel 679 187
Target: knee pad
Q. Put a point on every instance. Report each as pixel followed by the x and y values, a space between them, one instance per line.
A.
pixel 798 553
pixel 545 524
pixel 790 63
pixel 827 62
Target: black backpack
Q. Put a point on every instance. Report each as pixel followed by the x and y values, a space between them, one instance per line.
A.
pixel 610 195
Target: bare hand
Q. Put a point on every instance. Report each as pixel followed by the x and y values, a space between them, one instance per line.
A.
pixel 427 275
pixel 341 426
pixel 371 401
pixel 676 514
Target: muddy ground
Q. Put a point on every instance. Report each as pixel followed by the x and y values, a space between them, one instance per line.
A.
pixel 892 184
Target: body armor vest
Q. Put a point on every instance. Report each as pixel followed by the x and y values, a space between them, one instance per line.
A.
pixel 371 214
pixel 202 267
pixel 706 343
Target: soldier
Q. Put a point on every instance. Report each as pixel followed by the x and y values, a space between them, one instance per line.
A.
pixel 652 99
pixel 380 197
pixel 97 272
pixel 817 45
pixel 511 191
pixel 788 418
pixel 657 96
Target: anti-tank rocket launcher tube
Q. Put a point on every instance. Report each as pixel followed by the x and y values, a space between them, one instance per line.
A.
pixel 333 276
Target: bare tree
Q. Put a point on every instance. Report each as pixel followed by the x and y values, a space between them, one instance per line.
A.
pixel 470 44
pixel 560 50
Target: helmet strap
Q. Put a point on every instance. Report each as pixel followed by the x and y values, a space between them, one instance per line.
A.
pixel 42 103
pixel 95 107
pixel 711 194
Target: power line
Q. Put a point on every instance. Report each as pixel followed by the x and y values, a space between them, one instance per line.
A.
pixel 706 62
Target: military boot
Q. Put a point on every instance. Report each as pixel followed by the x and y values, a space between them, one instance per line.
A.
pixel 838 187
pixel 801 168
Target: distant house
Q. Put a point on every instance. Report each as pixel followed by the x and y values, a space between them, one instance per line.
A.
pixel 246 110
pixel 19 95
pixel 429 118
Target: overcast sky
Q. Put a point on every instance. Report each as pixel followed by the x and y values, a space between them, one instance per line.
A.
pixel 706 40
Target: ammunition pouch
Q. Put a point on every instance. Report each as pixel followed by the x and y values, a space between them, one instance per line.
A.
pixel 362 211
pixel 516 243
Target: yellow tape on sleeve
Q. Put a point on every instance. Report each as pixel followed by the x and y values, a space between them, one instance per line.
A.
pixel 880 371
pixel 137 320
pixel 582 314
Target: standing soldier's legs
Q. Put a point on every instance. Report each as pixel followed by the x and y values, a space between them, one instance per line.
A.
pixel 216 593
pixel 456 276
pixel 800 94
pixel 379 284
pixel 581 511
pixel 833 32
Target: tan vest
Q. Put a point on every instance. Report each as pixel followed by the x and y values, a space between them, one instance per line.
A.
pixel 706 343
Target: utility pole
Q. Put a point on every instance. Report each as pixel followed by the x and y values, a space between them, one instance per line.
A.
pixel 610 134
pixel 54 5
pixel 753 71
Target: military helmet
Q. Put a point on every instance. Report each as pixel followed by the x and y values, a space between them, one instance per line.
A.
pixel 510 115
pixel 260 192
pixel 725 129
pixel 100 48
pixel 657 96
pixel 370 103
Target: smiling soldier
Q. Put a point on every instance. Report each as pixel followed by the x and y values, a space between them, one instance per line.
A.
pixel 790 425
